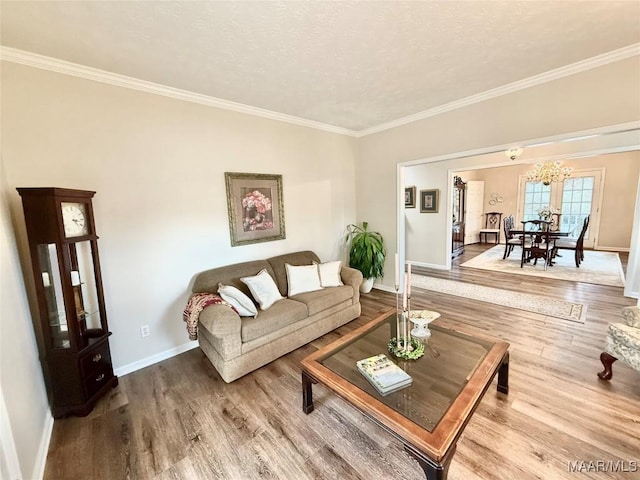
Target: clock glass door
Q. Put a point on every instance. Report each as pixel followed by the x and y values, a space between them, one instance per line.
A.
pixel 52 282
pixel 85 290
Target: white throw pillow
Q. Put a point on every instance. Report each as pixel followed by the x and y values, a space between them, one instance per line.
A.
pixel 330 274
pixel 263 288
pixel 303 278
pixel 235 297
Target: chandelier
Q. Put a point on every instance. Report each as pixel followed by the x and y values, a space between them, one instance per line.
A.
pixel 549 172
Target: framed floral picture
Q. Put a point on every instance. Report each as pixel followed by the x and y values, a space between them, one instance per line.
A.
pixel 429 201
pixel 410 197
pixel 254 204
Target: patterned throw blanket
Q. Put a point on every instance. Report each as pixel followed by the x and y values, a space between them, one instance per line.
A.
pixel 195 305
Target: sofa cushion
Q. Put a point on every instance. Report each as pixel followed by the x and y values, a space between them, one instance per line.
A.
pixel 283 313
pixel 219 320
pixel 302 278
pixel 330 274
pixel 241 302
pixel 208 280
pixel 297 258
pixel 263 288
pixel 323 299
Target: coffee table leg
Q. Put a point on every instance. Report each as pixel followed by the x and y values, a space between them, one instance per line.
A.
pixel 307 393
pixel 503 375
pixel 433 470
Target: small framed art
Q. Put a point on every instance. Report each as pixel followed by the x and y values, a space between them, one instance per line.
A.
pixel 429 201
pixel 254 204
pixel 410 197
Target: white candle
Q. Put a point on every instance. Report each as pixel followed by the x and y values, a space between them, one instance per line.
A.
pixel 406 332
pixel 397 269
pixel 408 324
pixel 404 298
pixel 405 314
pixel 45 279
pixel 407 290
pixel 75 278
pixel 397 284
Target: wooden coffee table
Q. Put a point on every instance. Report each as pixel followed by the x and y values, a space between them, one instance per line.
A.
pixel 429 416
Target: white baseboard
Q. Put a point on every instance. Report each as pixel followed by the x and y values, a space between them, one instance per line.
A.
pixel 10 460
pixel 158 357
pixel 429 265
pixel 384 288
pixel 43 449
pixel 10 465
pixel 612 249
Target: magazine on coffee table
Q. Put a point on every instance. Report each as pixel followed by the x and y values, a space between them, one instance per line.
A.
pixel 383 374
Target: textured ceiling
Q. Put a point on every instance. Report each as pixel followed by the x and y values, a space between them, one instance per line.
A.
pixel 348 64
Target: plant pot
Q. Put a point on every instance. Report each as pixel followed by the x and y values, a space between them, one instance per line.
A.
pixel 366 285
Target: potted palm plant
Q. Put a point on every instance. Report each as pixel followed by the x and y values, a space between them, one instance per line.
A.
pixel 366 253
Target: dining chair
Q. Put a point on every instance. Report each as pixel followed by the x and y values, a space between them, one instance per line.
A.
pixel 555 222
pixel 492 221
pixel 510 239
pixel 536 242
pixel 577 245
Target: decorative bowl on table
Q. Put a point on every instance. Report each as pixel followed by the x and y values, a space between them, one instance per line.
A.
pixel 421 319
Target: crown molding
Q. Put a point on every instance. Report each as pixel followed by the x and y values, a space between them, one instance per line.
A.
pixel 581 66
pixel 621 137
pixel 35 60
pixel 68 68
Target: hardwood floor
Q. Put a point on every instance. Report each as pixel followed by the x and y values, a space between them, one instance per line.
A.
pixel 178 420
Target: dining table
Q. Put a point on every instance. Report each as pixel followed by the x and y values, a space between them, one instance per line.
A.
pixel 554 234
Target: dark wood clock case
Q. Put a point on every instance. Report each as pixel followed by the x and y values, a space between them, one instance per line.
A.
pixel 70 321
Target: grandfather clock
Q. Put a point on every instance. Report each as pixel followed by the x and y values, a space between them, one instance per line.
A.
pixel 71 328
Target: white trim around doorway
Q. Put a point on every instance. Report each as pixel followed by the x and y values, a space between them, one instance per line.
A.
pixel 599 141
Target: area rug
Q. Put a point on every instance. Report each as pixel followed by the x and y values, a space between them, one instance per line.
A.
pixel 575 312
pixel 601 268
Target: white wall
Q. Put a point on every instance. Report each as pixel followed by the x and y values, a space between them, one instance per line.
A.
pixel 607 95
pixel 25 433
pixel 427 234
pixel 158 166
pixel 632 287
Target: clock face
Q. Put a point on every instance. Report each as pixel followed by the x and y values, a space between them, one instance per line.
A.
pixel 75 219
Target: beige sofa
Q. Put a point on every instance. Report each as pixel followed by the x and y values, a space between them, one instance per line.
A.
pixel 238 345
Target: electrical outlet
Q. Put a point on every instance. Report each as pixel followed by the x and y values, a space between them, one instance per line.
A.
pixel 144 330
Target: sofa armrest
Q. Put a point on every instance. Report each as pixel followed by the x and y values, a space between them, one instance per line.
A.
pixel 220 321
pixel 353 277
pixel 631 316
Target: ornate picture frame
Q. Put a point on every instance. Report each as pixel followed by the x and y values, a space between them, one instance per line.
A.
pixel 429 201
pixel 410 197
pixel 255 207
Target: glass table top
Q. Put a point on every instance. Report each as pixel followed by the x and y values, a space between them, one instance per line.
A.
pixel 449 361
